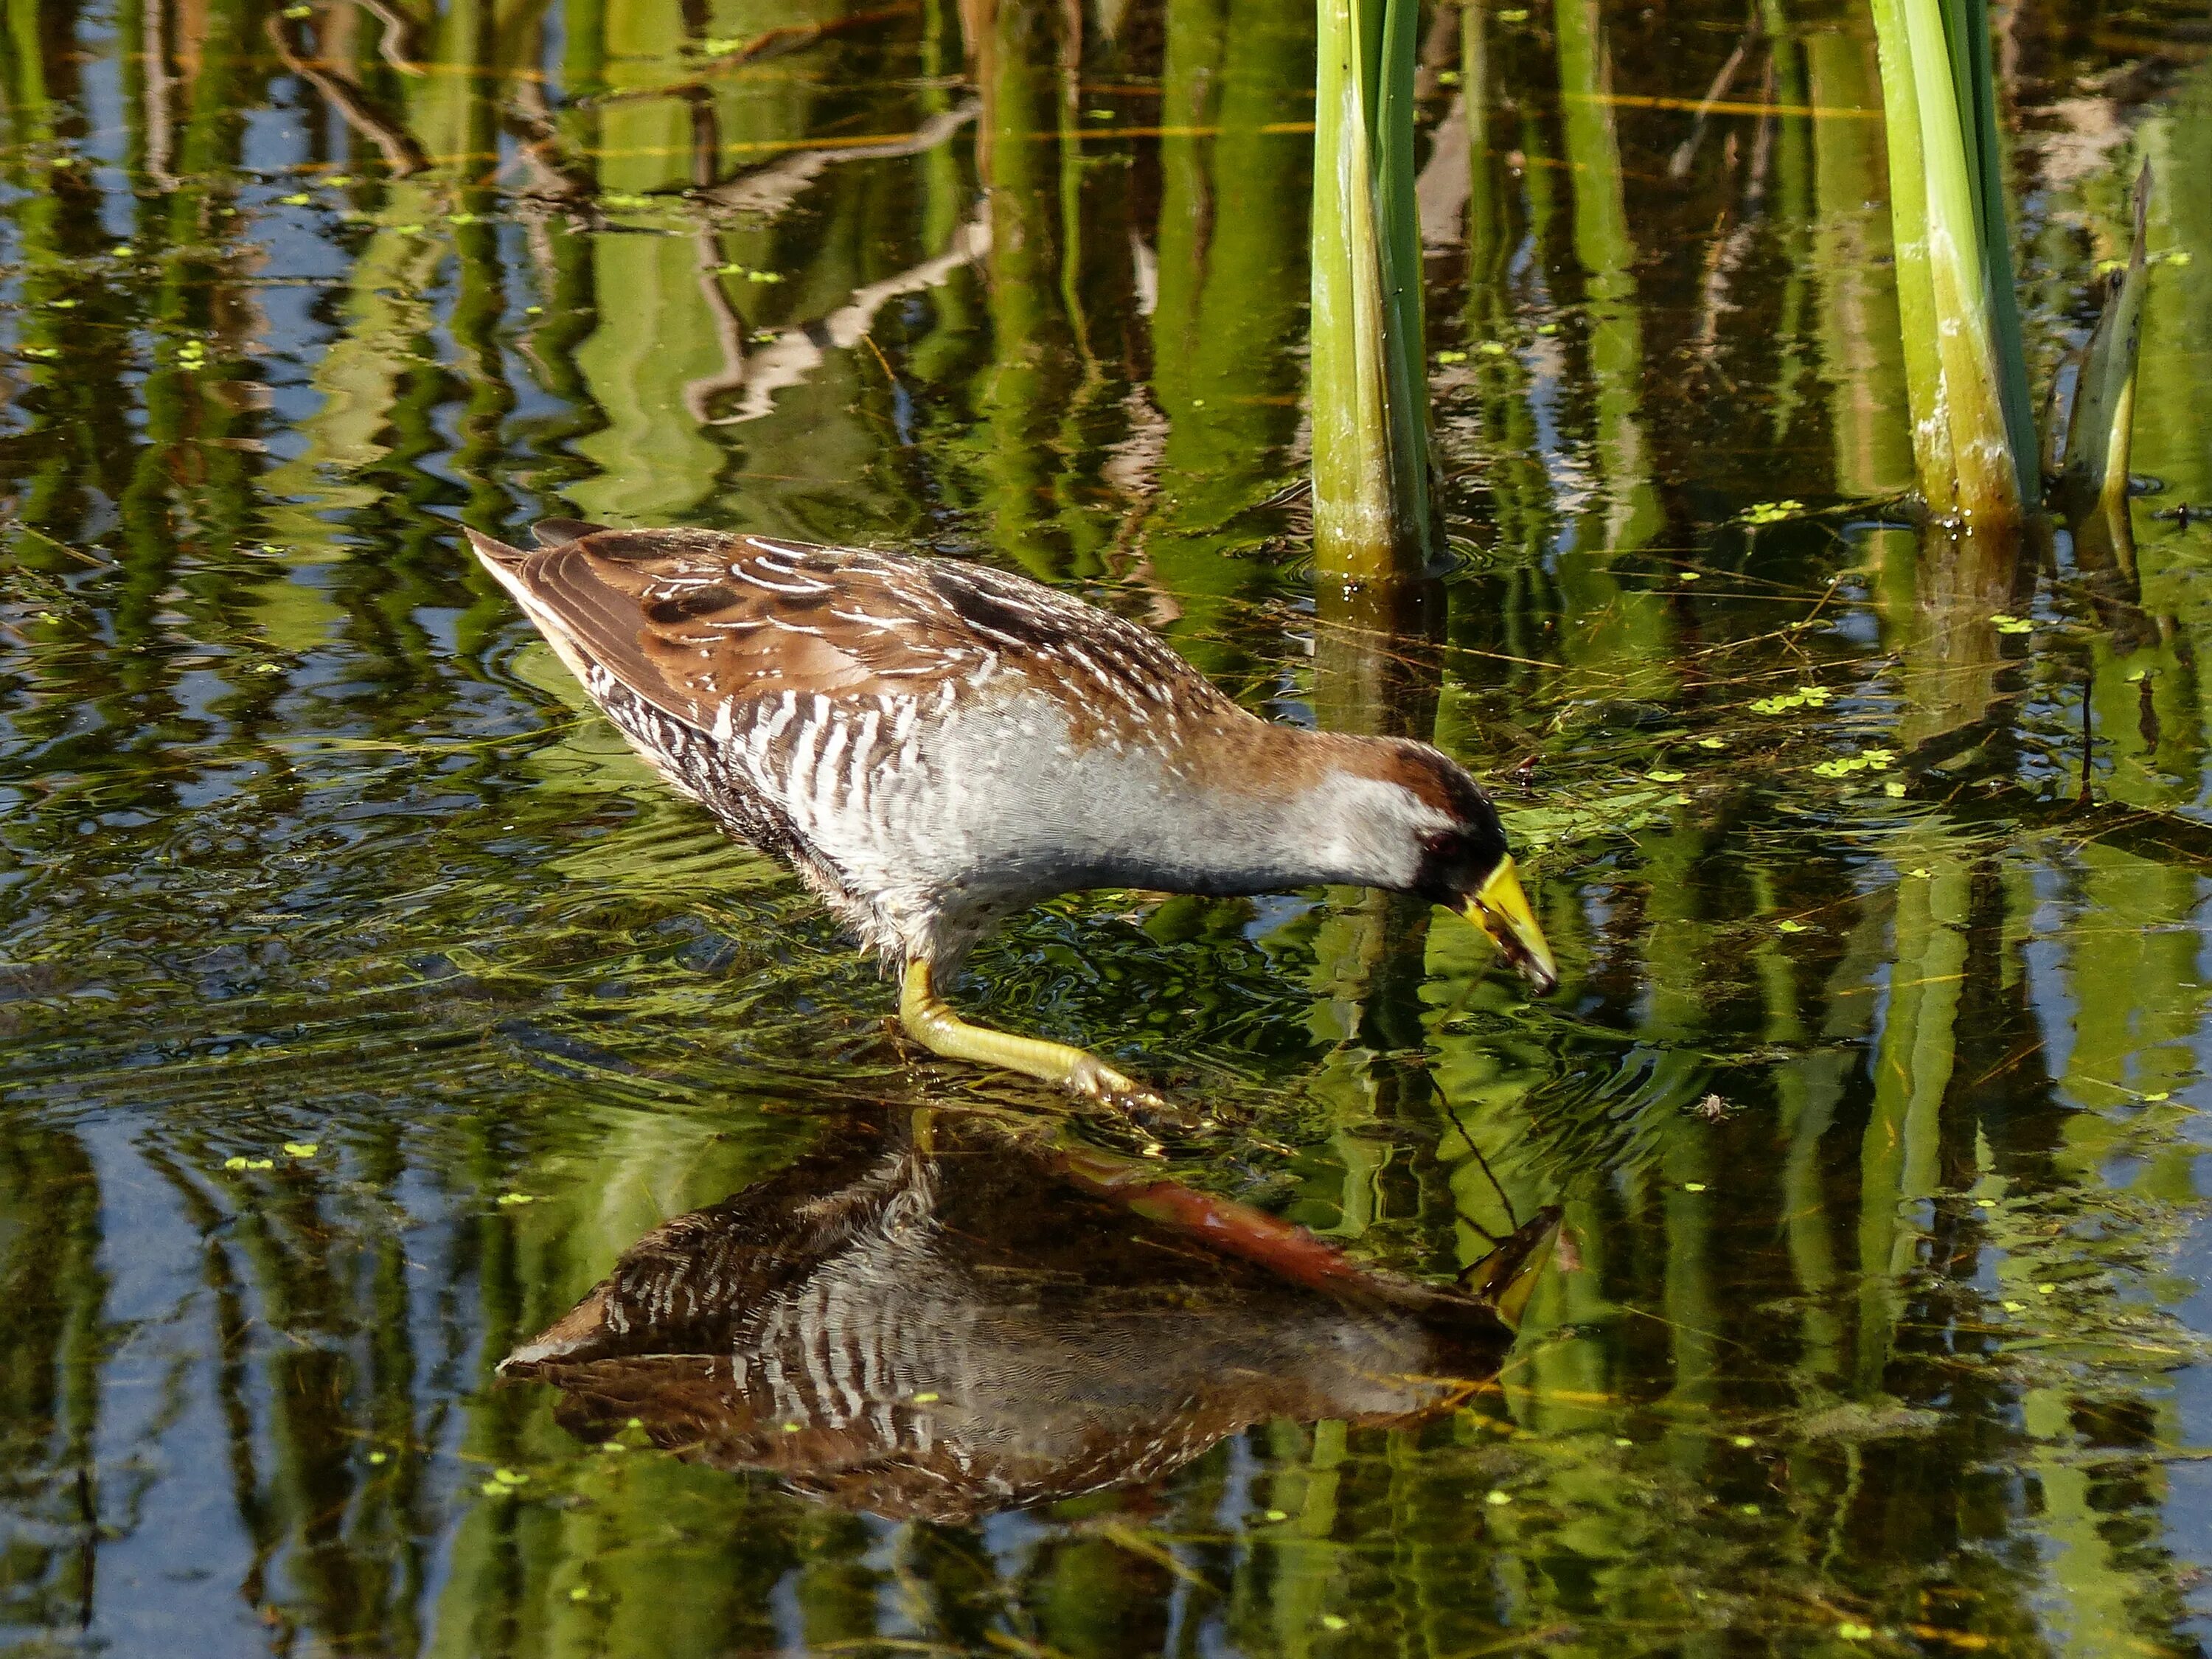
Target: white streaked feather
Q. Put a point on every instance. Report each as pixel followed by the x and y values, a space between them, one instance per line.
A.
pixel 822 788
pixel 745 575
pixel 799 771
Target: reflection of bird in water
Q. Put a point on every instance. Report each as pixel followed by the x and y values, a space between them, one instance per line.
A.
pixel 936 744
pixel 944 1331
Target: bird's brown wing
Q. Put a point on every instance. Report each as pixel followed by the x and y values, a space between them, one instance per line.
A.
pixel 693 621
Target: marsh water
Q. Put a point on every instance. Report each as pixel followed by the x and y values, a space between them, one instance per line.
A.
pixel 362 1002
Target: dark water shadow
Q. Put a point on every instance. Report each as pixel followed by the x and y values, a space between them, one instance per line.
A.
pixel 937 1319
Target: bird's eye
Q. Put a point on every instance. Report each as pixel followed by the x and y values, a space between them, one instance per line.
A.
pixel 1438 842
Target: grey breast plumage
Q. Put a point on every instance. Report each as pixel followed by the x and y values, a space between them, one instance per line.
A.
pixel 817 698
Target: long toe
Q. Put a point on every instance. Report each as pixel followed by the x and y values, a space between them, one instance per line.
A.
pixel 1147 1109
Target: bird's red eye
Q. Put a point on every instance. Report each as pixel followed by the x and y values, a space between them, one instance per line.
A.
pixel 1438 842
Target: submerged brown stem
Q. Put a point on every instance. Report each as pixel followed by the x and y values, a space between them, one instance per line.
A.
pixel 1678 164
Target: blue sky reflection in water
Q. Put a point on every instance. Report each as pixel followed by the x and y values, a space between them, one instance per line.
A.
pixel 362 1002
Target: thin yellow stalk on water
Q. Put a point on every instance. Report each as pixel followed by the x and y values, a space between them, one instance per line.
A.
pixel 1372 516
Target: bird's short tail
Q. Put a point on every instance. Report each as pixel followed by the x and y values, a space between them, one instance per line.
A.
pixel 502 561
pixel 510 568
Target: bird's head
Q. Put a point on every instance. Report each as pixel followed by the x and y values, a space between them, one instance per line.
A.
pixel 1437 837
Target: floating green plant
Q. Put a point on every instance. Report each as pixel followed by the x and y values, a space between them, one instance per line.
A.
pixel 1810 697
pixel 1868 759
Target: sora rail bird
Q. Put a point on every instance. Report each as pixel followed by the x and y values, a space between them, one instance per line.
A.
pixel 935 745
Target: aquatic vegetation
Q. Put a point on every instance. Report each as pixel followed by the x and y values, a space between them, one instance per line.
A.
pixel 1974 443
pixel 1867 760
pixel 2093 467
pixel 1973 428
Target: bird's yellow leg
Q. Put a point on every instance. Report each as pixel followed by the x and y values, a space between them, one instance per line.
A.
pixel 934 1024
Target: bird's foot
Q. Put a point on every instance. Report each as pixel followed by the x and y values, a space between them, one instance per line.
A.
pixel 1080 1072
pixel 1147 1109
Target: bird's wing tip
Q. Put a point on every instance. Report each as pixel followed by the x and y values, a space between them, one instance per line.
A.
pixel 492 550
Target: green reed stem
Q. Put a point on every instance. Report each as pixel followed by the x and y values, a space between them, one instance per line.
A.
pixel 1966 370
pixel 1372 513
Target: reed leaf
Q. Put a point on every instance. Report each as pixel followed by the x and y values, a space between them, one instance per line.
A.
pixel 2099 428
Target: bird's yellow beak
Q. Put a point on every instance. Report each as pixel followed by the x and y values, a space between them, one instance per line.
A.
pixel 1501 910
pixel 1507 1277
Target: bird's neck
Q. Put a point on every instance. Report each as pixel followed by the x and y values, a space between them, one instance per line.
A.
pixel 1286 807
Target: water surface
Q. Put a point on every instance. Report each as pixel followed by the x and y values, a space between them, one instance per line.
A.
pixel 362 1002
